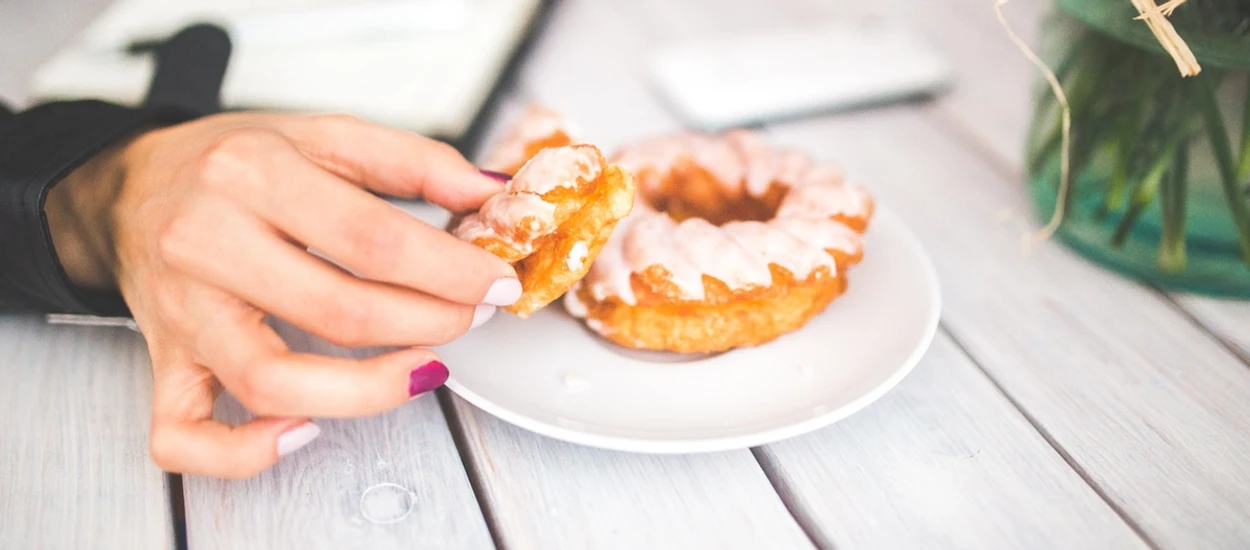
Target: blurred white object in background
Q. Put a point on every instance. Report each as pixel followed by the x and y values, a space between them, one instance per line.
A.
pixel 780 73
pixel 425 65
pixel 270 23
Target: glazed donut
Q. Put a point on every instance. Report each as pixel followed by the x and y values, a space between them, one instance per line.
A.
pixel 536 129
pixel 551 220
pixel 731 244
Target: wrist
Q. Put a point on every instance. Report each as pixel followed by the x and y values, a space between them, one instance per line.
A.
pixel 79 212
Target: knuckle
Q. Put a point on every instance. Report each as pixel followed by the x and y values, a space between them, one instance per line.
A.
pixel 162 450
pixel 176 244
pixel 243 142
pixel 231 158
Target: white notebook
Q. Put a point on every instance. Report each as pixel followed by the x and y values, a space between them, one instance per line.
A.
pixel 818 66
pixel 425 65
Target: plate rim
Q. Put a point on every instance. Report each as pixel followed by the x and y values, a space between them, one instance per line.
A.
pixel 745 441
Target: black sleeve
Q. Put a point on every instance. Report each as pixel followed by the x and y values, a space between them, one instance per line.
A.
pixel 6 117
pixel 42 145
pixel 38 148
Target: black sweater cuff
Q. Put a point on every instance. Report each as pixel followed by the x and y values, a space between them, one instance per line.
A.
pixel 39 148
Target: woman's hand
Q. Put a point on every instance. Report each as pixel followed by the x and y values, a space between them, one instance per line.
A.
pixel 204 229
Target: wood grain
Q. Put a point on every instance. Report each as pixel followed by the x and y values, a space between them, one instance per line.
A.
pixel 74 411
pixel 841 482
pixel 1149 406
pixel 75 405
pixel 942 461
pixel 350 488
pixel 1228 319
pixel 1193 471
pixel 1003 133
pixel 547 494
pixel 1136 395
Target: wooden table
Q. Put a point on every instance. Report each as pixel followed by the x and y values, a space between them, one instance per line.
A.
pixel 1061 406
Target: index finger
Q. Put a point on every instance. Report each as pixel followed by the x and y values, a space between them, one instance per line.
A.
pixel 392 162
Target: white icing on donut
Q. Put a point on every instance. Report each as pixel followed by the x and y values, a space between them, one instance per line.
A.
pixel 648 160
pixel 573 303
pixel 822 174
pixel 557 167
pixel 821 233
pixel 661 155
pixel 577 256
pixel 652 241
pixel 704 245
pixel 521 199
pixel 823 199
pixel 792 166
pixel 536 124
pixel 775 246
pixel 758 159
pixel 720 158
pixel 502 214
pixel 641 240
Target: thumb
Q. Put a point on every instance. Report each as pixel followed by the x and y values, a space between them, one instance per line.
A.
pixel 185 439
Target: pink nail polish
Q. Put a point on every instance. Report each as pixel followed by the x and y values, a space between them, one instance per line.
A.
pixel 481 314
pixel 497 176
pixel 297 438
pixel 503 292
pixel 427 377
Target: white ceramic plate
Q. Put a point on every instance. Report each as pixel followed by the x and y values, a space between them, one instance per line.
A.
pixel 550 375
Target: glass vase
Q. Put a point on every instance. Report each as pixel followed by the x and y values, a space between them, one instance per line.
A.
pixel 1159 163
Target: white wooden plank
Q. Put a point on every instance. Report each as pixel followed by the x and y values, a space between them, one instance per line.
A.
pixel 1229 319
pixel 390 481
pixel 548 494
pixel 74 409
pixel 996 84
pixel 991 108
pixel 75 402
pixel 943 461
pixel 1152 408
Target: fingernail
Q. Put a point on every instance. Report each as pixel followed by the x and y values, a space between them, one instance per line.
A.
pixel 296 438
pixel 481 314
pixel 503 292
pixel 427 377
pixel 497 176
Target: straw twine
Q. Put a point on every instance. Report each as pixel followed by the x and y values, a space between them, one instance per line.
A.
pixel 1156 18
